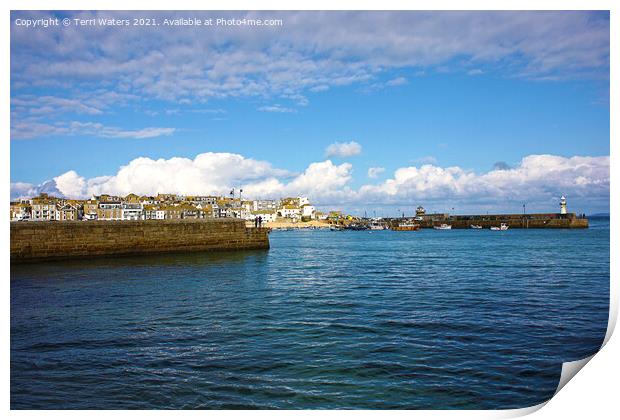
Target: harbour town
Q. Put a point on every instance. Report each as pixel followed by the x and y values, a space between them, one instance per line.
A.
pixel 47 227
pixel 284 213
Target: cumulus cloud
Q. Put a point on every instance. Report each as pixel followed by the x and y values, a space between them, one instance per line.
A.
pixel 207 173
pixel 27 190
pixel 375 171
pixel 351 148
pixel 537 180
pixel 501 166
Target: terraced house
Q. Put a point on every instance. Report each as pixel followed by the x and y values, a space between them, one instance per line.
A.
pixel 110 210
pixel 132 210
pixel 90 210
pixel 160 207
pixel 20 211
pixel 68 210
pixel 43 208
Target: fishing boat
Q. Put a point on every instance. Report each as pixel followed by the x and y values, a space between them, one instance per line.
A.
pixel 503 226
pixel 443 226
pixel 475 226
pixel 406 227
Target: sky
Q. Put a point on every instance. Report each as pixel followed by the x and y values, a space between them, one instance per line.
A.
pixel 464 112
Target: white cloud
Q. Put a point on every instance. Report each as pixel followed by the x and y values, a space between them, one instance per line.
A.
pixel 312 52
pixel 398 81
pixel 28 129
pixel 26 190
pixel 100 130
pixel 207 173
pixel 88 102
pixel 375 171
pixel 537 180
pixel 32 129
pixel 351 148
pixel 276 108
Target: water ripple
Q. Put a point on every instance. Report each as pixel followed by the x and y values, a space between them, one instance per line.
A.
pixel 321 320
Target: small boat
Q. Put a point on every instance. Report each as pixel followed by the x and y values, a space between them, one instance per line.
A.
pixel 475 226
pixel 443 226
pixel 356 226
pixel 503 226
pixel 335 227
pixel 406 227
pixel 377 226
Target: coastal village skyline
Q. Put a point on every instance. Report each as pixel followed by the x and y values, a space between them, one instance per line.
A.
pixel 284 110
pixel 45 207
pixel 106 207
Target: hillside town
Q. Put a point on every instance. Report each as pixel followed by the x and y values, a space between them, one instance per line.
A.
pixel 166 206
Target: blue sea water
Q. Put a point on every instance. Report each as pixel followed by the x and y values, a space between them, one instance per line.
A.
pixel 457 319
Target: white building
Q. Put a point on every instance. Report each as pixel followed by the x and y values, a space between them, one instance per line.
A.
pixel 42 211
pixel 20 212
pixel 203 199
pixel 260 205
pixel 266 215
pixel 308 210
pixel 291 212
pixel 132 211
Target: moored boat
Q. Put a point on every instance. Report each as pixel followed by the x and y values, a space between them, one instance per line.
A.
pixel 503 226
pixel 443 226
pixel 475 226
pixel 356 226
pixel 377 226
pixel 406 227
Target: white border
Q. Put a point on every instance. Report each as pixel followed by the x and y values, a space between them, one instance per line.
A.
pixel 593 394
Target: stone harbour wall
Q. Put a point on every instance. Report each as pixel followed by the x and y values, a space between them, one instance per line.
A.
pixel 32 241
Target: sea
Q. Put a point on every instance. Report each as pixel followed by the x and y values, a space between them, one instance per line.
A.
pixel 454 319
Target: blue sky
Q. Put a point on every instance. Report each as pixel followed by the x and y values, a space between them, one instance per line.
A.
pixel 442 94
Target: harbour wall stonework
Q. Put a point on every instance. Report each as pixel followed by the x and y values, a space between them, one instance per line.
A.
pixel 32 241
pixel 514 221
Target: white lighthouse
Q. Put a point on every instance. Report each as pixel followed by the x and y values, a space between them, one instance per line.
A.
pixel 562 205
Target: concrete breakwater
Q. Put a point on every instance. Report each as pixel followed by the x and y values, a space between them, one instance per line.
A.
pixel 32 241
pixel 514 221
